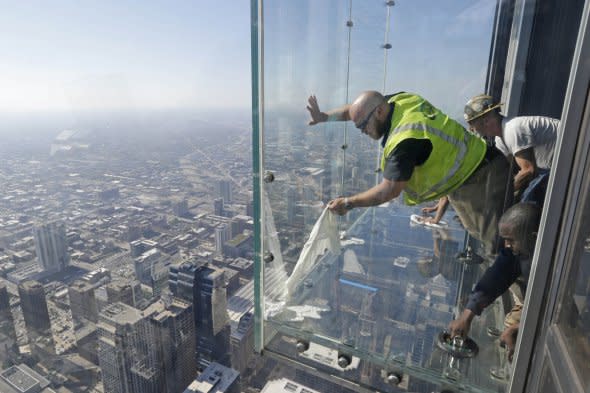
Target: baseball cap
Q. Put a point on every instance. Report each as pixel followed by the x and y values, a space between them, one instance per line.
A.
pixel 479 106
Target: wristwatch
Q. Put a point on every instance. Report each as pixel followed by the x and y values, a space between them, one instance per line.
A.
pixel 347 204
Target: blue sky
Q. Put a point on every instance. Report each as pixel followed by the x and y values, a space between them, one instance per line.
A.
pixel 70 55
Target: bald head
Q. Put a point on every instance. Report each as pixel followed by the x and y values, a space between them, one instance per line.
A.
pixel 364 104
pixel 370 112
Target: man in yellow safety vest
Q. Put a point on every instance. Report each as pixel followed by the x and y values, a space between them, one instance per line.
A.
pixel 427 155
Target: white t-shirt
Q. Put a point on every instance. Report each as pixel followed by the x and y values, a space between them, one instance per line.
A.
pixel 538 132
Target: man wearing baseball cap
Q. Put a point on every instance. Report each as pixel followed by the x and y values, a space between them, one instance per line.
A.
pixel 529 139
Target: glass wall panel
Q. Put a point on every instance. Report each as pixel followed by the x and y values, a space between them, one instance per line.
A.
pixel 368 295
pixel 574 305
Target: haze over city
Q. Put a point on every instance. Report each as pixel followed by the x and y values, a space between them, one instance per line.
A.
pixel 127 206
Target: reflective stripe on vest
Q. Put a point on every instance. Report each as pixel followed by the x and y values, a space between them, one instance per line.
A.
pixel 461 145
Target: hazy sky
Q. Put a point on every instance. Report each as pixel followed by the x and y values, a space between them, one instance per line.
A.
pixel 119 54
pixel 69 55
pixel 439 49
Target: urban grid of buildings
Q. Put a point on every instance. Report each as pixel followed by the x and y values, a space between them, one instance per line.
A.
pixel 135 274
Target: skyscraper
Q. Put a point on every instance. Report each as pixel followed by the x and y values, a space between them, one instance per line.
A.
pixel 128 292
pixel 222 235
pixel 85 316
pixel 126 351
pixel 8 343
pixel 225 191
pixel 218 206
pixel 51 246
pixel 175 335
pixel 150 351
pixel 36 315
pixel 204 286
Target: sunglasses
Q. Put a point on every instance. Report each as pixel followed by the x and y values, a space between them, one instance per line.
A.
pixel 362 125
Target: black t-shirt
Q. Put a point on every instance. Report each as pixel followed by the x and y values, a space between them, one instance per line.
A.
pixel 402 160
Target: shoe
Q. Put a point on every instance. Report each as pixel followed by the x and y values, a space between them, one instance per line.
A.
pixel 513 317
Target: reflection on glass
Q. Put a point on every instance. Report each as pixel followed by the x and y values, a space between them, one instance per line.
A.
pixel 574 313
pixel 376 302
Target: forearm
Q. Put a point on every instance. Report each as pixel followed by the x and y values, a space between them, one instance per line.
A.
pixel 338 114
pixel 477 302
pixel 381 193
pixel 522 178
pixel 441 208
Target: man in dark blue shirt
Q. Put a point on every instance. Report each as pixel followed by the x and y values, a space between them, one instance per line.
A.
pixel 518 227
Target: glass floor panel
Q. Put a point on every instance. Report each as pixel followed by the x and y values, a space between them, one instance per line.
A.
pixel 383 301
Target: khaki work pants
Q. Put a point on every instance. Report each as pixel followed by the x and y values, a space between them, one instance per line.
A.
pixel 481 201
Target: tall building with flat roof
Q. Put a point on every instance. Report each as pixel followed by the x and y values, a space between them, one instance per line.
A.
pixel 125 291
pixel 51 246
pixel 126 351
pixel 84 310
pixel 176 342
pixel 225 190
pixel 203 285
pixel 8 343
pixel 36 315
pixel 216 378
pixel 149 351
pixel 22 379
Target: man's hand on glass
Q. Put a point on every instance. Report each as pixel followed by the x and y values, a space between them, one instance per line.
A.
pixel 317 116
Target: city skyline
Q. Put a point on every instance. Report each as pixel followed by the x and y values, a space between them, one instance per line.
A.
pixel 130 127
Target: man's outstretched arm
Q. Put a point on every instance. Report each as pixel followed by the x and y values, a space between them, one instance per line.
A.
pixel 525 159
pixel 317 116
pixel 381 193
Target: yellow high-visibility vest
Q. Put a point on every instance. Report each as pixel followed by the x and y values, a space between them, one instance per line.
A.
pixel 456 153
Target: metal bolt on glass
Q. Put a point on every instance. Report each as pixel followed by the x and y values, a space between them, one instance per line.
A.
pixel 344 360
pixel 268 257
pixel 269 177
pixel 394 378
pixel 302 346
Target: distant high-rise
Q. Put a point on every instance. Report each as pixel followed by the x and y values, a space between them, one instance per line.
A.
pixel 51 246
pixel 85 316
pixel 8 343
pixel 36 314
pixel 204 286
pixel 225 191
pixel 292 198
pixel 250 208
pixel 128 292
pixel 222 235
pixel 218 206
pixel 180 208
